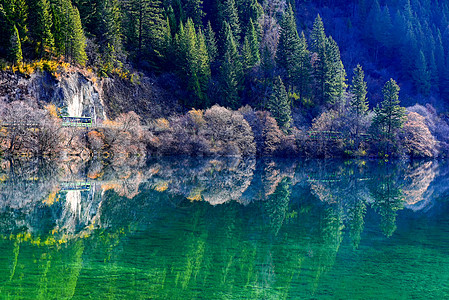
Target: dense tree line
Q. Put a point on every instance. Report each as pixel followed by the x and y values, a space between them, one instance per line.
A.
pixel 43 28
pixel 412 34
pixel 235 53
pixel 225 52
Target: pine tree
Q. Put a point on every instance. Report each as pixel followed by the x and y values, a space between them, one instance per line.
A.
pixel 250 48
pixel 60 15
pixel 16 13
pixel 288 55
pixel 194 62
pixel 358 101
pixel 389 115
pixel 187 41
pixel 384 28
pixel 211 42
pixel 108 32
pixel 334 75
pixel 78 43
pixel 267 63
pixel 421 75
pixel 15 46
pixel 399 30
pixel 172 21
pixel 229 15
pixel 433 68
pixel 248 10
pixel 329 73
pixel 318 37
pixel 253 43
pixel 231 72
pixel 203 67
pixel 194 9
pixel 409 51
pixel 292 54
pixel 439 54
pixel 373 20
pixel 40 26
pixel 246 54
pixel 279 106
pixel 229 84
pixel 68 32
pixel 305 69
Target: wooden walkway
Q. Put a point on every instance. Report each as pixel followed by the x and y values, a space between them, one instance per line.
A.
pixel 334 135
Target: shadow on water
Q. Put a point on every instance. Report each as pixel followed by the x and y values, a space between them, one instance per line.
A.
pixel 225 228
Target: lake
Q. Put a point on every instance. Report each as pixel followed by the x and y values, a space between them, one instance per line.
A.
pixel 185 228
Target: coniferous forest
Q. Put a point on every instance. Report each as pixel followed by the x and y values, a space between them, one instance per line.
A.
pixel 272 77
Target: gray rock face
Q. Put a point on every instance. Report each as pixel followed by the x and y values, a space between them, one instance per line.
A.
pixel 73 90
pixel 81 97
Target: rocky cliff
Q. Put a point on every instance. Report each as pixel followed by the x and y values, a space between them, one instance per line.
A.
pixel 79 93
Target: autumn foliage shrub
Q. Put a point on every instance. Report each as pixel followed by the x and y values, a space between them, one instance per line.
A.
pixel 417 138
pixel 215 131
pixel 29 129
pixel 228 132
pixel 267 134
pixel 437 126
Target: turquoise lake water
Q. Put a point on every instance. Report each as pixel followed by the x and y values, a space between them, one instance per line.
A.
pixel 225 229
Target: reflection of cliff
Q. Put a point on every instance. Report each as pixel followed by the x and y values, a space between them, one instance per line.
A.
pixel 73 194
pixel 143 227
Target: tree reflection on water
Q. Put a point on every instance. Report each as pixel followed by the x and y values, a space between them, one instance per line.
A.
pixel 189 227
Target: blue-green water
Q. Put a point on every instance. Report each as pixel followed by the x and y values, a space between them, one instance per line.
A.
pixel 225 229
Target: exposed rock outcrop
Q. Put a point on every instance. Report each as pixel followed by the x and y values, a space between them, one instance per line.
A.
pixel 80 93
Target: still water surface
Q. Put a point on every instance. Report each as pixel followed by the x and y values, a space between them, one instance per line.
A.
pixel 225 229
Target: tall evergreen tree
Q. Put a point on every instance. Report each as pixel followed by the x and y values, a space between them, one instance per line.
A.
pixel 229 84
pixel 16 14
pixel 61 13
pixel 78 40
pixel 211 42
pixel 228 14
pixel 248 10
pixel 187 41
pixel 389 116
pixel 246 54
pixel 433 69
pixel 373 20
pixel 40 26
pixel 305 69
pixel 68 32
pixel 194 9
pixel 203 67
pixel 358 101
pixel 194 62
pixel 172 20
pixel 383 29
pixel 15 46
pixel 421 75
pixel 288 52
pixel 318 36
pixel 330 73
pixel 279 106
pixel 231 72
pixel 292 54
pixel 250 48
pixel 108 31
pixel 253 43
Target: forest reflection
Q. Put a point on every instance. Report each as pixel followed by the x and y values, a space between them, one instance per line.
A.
pixel 250 227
